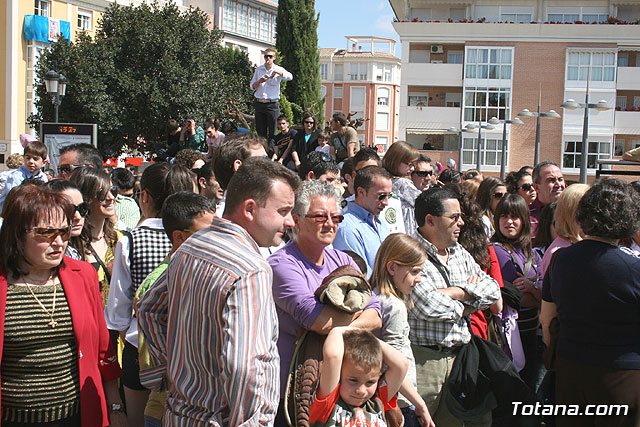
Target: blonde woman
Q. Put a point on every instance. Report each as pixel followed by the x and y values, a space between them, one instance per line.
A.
pixel 396 271
pixel 567 228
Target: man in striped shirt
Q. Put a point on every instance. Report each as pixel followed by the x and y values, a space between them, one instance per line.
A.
pixel 217 334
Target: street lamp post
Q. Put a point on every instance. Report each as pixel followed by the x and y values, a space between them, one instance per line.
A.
pixel 459 132
pixel 503 159
pixel 539 114
pixel 489 125
pixel 56 85
pixel 571 104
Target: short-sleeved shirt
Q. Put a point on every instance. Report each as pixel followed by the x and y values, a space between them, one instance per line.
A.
pixel 341 142
pixel 333 411
pixel 280 142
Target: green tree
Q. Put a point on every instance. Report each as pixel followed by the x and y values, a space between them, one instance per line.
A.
pixel 297 40
pixel 146 64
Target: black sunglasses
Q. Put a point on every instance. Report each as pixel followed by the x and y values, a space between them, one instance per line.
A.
pixel 526 187
pixel 269 56
pixel 383 196
pixel 422 174
pixel 82 209
pixel 309 122
pixel 113 190
pixel 66 169
pixel 498 195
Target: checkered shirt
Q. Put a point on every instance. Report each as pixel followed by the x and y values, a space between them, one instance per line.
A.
pixel 437 319
pixel 150 247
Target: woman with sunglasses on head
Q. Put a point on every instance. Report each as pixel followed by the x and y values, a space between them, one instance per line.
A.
pixel 137 255
pixel 57 365
pixel 490 192
pixel 399 161
pixel 520 265
pixel 98 239
pixel 80 212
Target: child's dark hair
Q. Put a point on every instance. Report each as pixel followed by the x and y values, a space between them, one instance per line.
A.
pixel 122 178
pixel 180 209
pixel 36 148
pixel 362 348
pixel 543 232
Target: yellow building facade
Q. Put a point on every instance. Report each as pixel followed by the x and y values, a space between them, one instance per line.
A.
pixel 21 43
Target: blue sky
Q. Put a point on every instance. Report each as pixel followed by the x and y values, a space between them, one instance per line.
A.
pixel 340 18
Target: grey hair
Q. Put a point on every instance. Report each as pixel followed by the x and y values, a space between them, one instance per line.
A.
pixel 309 190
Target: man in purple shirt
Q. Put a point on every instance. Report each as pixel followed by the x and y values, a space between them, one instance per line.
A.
pixel 548 182
pixel 299 268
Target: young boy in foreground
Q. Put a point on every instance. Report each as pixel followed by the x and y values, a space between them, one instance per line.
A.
pixel 349 392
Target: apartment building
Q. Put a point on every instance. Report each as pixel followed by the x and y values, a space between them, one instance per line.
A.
pixel 248 25
pixel 364 80
pixel 464 62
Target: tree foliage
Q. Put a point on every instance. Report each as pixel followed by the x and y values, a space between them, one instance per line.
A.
pixel 297 40
pixel 146 64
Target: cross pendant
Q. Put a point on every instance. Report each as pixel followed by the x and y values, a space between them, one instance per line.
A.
pixel 53 323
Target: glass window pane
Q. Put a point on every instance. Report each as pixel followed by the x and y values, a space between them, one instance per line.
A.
pixel 471 71
pixel 573 59
pixel 584 59
pixel 468 98
pixel 468 114
pixel 596 74
pixel 490 158
pixel 506 56
pixel 554 17
pixel 494 71
pixel 591 161
pixel 567 161
pixel 491 144
pixel 483 71
pixel 597 59
pixel 469 143
pixel 604 147
pixel 483 56
pixel 495 59
pixel 472 56
pixel 572 73
pixel 608 74
pixel 493 99
pixel 583 73
pixel 481 99
pixel 570 17
pixel 609 58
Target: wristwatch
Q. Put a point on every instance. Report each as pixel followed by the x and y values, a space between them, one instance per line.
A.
pixel 117 407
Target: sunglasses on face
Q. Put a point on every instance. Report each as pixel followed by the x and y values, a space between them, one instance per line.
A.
pixel 48 235
pixel 269 56
pixel 454 217
pixel 498 195
pixel 422 174
pixel 323 218
pixel 309 122
pixel 384 196
pixel 113 190
pixel 526 187
pixel 82 209
pixel 67 169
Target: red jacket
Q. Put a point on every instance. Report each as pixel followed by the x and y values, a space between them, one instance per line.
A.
pixel 478 321
pixel 97 362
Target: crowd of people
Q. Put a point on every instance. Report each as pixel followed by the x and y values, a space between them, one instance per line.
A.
pixel 201 291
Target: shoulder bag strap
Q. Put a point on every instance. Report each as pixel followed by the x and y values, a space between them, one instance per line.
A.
pixel 102 264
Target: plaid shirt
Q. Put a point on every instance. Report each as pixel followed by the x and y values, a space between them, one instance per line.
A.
pixel 437 319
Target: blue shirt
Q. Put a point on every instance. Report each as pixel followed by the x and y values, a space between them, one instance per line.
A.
pixel 361 232
pixel 15 178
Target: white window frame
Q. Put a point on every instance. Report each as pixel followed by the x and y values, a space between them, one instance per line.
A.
pixel 324 71
pixel 418 99
pixel 623 59
pixel 358 109
pixel 635 143
pixel 383 100
pixel 621 102
pixel 602 64
pixel 382 124
pixel 454 54
pixel 479 104
pixel 419 56
pixel 575 153
pixel 42 8
pixel 453 98
pixel 382 141
pixel 636 101
pixel 491 149
pixel 34 50
pixel 339 90
pixel 85 20
pixel 481 62
pixel 576 13
pixel 338 72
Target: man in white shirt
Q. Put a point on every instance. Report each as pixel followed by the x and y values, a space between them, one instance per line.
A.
pixel 266 85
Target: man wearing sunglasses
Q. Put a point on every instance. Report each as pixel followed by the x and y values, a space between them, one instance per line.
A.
pixel 362 231
pixel 76 155
pixel 266 86
pixel 422 173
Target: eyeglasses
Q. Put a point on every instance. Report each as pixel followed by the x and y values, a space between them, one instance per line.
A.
pixel 113 190
pixel 526 187
pixel 454 217
pixel 323 218
pixel 66 169
pixel 310 122
pixel 50 234
pixel 498 195
pixel 269 56
pixel 82 209
pixel 422 174
pixel 383 196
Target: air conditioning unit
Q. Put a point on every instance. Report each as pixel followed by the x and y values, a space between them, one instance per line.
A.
pixel 437 48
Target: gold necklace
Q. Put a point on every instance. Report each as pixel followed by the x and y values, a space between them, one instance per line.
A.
pixel 52 322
